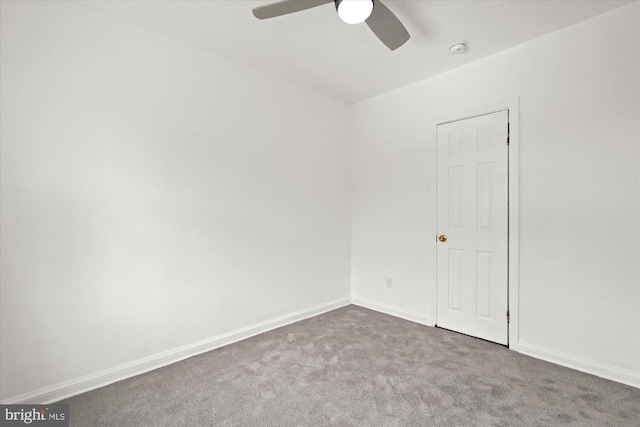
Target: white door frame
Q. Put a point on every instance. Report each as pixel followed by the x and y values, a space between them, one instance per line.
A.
pixel 513 262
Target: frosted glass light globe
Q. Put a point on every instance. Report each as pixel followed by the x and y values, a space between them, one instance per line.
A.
pixel 354 11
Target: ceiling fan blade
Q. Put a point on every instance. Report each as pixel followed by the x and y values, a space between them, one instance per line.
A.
pixel 285 7
pixel 387 27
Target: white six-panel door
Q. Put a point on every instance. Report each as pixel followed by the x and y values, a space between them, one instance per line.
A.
pixel 472 226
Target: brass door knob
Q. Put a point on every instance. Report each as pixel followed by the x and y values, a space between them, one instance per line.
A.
pixel 442 238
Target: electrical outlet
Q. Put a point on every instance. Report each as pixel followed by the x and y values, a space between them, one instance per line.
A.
pixel 389 282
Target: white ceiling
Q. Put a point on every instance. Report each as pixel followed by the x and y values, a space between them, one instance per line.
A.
pixel 316 49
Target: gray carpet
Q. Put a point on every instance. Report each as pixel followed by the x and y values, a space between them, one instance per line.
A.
pixel 357 367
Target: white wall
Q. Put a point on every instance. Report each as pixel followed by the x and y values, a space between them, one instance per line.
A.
pixel 579 190
pixel 154 195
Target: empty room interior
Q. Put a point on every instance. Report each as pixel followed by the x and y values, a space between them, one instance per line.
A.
pixel 309 212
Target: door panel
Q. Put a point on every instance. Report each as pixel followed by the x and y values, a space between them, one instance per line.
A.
pixel 472 212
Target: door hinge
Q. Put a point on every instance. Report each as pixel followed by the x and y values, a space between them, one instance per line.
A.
pixel 508 316
pixel 508 139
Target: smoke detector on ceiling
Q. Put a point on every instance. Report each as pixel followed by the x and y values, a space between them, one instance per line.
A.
pixel 458 48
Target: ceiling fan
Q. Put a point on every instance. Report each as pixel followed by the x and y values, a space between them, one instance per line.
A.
pixel 384 24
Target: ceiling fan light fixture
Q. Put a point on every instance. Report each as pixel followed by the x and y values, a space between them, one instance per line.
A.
pixel 354 11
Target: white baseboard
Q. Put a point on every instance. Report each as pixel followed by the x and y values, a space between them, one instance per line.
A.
pixel 108 376
pixel 413 316
pixel 598 369
pixel 602 370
